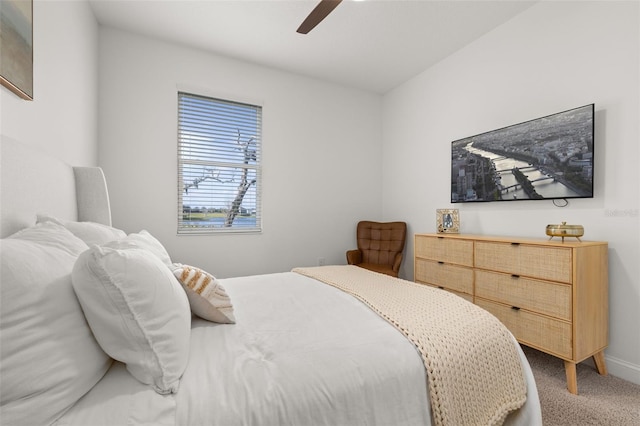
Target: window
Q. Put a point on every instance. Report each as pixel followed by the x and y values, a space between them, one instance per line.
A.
pixel 218 165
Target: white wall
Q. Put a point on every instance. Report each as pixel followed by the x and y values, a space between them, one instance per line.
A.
pixel 321 154
pixel 554 56
pixel 62 118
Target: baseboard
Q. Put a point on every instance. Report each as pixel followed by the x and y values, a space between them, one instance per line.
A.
pixel 623 369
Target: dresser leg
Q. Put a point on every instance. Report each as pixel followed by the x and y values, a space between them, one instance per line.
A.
pixel 572 378
pixel 598 359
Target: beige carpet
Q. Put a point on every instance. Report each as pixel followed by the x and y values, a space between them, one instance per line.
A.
pixel 601 400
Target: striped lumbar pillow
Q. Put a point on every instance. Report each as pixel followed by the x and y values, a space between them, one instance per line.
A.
pixel 207 297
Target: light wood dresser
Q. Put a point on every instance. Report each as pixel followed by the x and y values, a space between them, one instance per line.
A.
pixel 552 295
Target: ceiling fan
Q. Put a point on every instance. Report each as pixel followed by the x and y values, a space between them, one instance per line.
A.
pixel 316 16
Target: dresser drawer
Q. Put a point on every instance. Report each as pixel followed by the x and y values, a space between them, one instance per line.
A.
pixel 544 262
pixel 447 250
pixel 450 277
pixel 545 297
pixel 545 333
pixel 465 296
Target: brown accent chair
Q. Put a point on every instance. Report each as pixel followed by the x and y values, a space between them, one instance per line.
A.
pixel 380 246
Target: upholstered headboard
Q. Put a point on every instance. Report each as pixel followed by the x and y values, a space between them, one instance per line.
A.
pixel 33 182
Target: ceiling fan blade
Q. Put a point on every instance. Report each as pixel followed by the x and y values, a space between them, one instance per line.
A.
pixel 317 15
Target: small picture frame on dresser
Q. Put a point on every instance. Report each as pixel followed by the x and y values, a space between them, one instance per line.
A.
pixel 448 221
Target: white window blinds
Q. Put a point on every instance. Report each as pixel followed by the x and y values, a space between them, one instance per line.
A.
pixel 218 165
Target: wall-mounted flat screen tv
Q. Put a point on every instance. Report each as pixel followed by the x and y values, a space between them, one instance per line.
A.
pixel 546 158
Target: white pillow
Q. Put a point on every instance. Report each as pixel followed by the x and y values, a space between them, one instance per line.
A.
pixel 50 358
pixel 207 297
pixel 137 311
pixel 146 241
pixel 89 232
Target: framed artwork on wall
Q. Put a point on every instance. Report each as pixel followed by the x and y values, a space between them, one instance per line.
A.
pixel 16 47
pixel 448 221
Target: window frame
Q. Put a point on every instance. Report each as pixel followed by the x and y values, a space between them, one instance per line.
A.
pixel 254 166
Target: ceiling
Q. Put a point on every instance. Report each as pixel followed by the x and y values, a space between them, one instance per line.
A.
pixel 373 45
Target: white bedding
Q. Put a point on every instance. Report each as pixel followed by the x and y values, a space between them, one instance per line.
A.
pixel 301 353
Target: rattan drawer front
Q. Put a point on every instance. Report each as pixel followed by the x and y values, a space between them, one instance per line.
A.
pixel 444 249
pixel 545 333
pixel 465 296
pixel 450 277
pixel 544 262
pixel 546 297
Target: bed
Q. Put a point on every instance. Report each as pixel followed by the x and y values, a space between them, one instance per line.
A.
pixel 90 337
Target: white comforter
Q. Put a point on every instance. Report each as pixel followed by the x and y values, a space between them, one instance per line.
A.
pixel 301 353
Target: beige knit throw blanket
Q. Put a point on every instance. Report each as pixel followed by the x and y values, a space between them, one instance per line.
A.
pixel 473 367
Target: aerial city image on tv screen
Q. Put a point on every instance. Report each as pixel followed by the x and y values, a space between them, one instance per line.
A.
pixel 546 158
